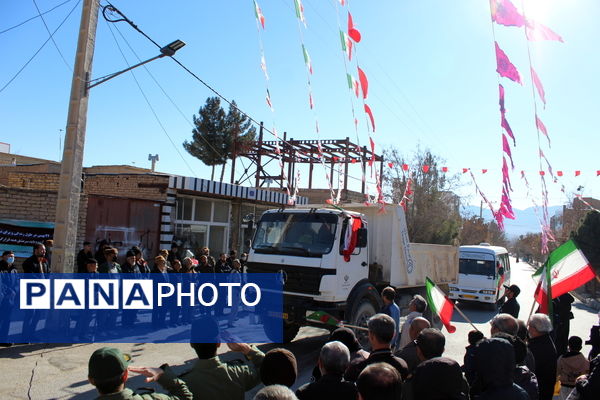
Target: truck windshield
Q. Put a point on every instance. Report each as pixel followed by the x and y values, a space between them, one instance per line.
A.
pixel 307 235
pixel 468 266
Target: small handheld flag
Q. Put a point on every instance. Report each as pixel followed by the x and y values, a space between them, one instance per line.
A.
pixel 440 304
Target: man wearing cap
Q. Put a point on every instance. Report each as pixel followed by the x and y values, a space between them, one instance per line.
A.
pixel 83 255
pixel 108 371
pixel 511 306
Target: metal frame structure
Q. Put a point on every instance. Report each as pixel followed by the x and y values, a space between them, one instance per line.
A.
pixel 337 151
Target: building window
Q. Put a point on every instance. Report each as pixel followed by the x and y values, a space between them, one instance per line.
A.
pixel 202 222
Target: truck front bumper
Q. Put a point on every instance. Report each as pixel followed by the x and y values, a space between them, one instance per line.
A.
pixel 472 296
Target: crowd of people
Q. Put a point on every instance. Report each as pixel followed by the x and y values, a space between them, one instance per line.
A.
pixel 517 360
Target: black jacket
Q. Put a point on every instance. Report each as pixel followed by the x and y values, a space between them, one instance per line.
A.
pixel 527 381
pixel 82 257
pixel 544 352
pixel 328 387
pixel 511 307
pixel 31 265
pixel 382 355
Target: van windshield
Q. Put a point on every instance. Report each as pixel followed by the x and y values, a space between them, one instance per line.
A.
pixel 307 235
pixel 469 266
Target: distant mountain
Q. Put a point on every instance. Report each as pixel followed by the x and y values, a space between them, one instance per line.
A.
pixel 525 221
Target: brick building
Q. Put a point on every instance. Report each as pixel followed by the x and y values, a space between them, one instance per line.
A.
pixel 134 206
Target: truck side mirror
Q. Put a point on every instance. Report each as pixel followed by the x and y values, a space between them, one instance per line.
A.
pixel 361 238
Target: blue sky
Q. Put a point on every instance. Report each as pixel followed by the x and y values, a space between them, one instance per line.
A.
pixel 430 63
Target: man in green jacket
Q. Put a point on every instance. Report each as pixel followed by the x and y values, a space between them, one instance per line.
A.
pixel 108 371
pixel 210 378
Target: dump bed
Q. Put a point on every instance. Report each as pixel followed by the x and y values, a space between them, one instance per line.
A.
pixel 405 264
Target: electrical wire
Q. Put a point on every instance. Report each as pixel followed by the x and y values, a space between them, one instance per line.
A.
pixel 149 104
pixel 40 49
pixel 34 17
pixel 53 41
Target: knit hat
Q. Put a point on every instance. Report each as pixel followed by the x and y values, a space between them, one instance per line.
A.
pixel 279 367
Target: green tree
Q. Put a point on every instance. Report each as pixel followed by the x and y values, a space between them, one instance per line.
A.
pixel 432 215
pixel 208 143
pixel 217 136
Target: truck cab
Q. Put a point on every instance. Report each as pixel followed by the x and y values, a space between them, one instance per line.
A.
pixel 338 260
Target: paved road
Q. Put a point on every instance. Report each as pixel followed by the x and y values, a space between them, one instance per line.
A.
pixel 60 371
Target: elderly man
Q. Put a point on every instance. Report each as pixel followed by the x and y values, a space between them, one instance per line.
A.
pixel 409 352
pixel 416 308
pixel 504 323
pixel 544 353
pixel 381 333
pixel 333 361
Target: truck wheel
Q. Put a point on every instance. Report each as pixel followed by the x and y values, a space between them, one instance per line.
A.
pixel 361 314
pixel 289 330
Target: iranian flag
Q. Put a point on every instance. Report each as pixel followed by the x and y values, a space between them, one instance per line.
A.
pixel 440 304
pixel 566 269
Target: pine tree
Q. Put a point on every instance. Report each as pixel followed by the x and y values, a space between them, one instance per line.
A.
pixel 209 143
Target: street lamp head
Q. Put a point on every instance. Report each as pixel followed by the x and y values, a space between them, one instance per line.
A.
pixel 171 48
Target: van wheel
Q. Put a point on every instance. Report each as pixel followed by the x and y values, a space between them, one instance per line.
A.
pixel 360 316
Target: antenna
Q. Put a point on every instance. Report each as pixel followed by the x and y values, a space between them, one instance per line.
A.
pixel 154 159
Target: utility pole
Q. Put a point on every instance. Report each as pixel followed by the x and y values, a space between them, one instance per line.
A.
pixel 69 191
pixel 153 159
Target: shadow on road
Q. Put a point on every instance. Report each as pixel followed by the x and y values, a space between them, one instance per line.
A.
pixel 478 313
pixel 34 349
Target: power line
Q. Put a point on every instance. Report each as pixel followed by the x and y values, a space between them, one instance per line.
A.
pixel 40 49
pixel 34 17
pixel 148 102
pixel 53 41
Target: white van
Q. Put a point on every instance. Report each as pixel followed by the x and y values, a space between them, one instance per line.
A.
pixel 482 272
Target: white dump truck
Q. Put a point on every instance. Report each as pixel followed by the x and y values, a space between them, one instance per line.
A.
pixel 339 260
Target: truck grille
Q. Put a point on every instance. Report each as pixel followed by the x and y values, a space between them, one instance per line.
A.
pixel 299 279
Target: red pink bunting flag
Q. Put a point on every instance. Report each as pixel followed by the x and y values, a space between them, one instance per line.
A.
pixel 372 159
pixel 370 114
pixel 505 13
pixel 405 167
pixel 391 165
pixel 465 170
pixel 342 3
pixel 426 168
pixel 268 98
pixel 364 83
pixel 310 100
pixel 542 173
pixel 307 59
pixel 483 171
pixel 353 84
pixel 505 175
pixel 598 173
pixel 506 149
pixel 299 11
pixel 504 67
pixel 540 125
pixel 259 15
pixel 577 173
pixel 538 85
pixel 503 121
pixel 444 169
pixel 559 173
pixel 536 31
pixel 352 31
pixel 346 44
pixel 263 66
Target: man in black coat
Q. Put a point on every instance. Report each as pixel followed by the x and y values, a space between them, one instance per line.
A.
pixel 333 361
pixel 544 352
pixel 511 306
pixel 37 263
pixel 381 332
pixel 82 257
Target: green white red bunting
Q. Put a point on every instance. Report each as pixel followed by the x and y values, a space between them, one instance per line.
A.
pixel 566 269
pixel 440 304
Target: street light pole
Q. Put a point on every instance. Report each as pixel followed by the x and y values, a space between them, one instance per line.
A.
pixel 69 190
